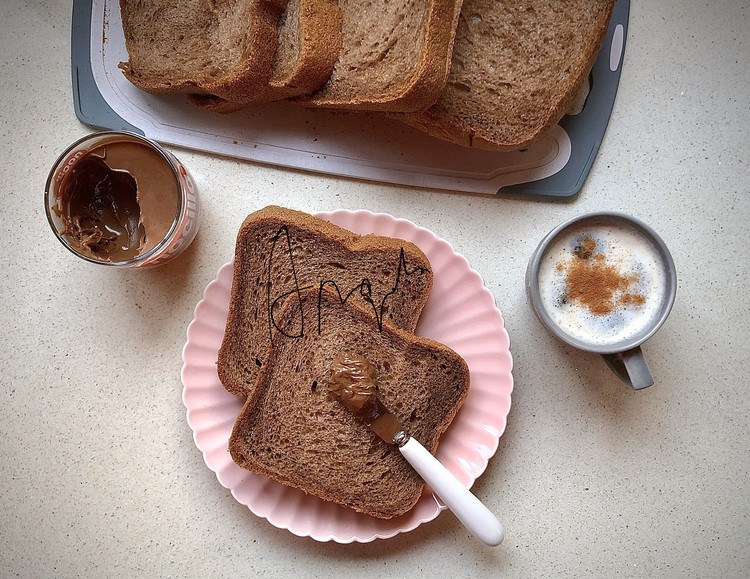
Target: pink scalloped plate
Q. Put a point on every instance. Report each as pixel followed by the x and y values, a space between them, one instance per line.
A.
pixel 460 312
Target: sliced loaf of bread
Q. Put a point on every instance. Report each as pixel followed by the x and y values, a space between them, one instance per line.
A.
pixel 517 68
pixel 200 46
pixel 395 55
pixel 292 430
pixel 280 252
pixel 309 42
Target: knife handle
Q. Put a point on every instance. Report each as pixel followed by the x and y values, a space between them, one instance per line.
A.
pixel 467 508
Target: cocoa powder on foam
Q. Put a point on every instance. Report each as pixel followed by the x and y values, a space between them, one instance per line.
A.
pixel 597 285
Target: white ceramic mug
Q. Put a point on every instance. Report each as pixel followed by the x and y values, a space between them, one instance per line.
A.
pixel 604 283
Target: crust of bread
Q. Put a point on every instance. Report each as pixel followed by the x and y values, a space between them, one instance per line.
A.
pixel 292 430
pixel 390 276
pixel 507 94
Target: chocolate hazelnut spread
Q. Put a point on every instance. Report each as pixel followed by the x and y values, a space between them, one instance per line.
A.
pixel 352 381
pixel 118 201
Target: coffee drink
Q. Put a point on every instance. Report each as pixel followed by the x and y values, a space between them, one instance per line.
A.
pixel 602 283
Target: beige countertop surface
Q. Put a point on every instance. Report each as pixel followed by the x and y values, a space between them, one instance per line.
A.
pixel 99 472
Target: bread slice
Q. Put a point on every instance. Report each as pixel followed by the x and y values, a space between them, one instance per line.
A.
pixel 292 430
pixel 395 55
pixel 200 46
pixel 517 68
pixel 309 42
pixel 280 251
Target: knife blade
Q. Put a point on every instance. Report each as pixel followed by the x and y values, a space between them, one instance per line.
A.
pixel 355 389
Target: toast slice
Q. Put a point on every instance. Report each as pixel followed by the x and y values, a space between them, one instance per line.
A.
pixel 309 42
pixel 517 68
pixel 280 251
pixel 200 46
pixel 395 55
pixel 292 430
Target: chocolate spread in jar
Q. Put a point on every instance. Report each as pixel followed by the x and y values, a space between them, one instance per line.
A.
pixel 118 201
pixel 352 381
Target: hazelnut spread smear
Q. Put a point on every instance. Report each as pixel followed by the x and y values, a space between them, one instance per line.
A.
pixel 353 382
pixel 117 202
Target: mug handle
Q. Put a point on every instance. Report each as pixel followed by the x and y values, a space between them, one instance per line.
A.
pixel 630 366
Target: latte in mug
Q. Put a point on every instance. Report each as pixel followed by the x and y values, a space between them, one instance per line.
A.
pixel 602 283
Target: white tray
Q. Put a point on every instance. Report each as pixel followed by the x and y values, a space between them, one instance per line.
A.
pixel 357 145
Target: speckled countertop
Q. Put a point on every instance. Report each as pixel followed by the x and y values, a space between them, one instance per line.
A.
pixel 99 474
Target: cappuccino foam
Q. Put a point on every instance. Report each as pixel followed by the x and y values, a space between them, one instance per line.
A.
pixel 602 284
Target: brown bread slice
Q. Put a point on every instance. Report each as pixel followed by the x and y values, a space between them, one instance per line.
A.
pixel 516 70
pixel 200 46
pixel 279 251
pixel 292 430
pixel 395 55
pixel 309 42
